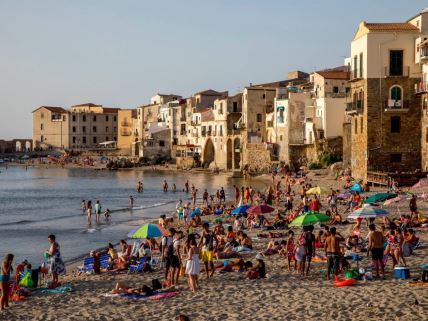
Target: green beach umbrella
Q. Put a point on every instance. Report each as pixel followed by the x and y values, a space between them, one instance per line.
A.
pixel 310 218
pixel 147 230
pixel 379 197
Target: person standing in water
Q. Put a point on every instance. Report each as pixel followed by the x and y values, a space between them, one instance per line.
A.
pixel 97 211
pixel 194 193
pixel 131 201
pixel 83 206
pixel 186 186
pixel 89 212
pixel 165 186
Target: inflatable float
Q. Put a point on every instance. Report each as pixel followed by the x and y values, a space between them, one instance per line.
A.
pixel 344 282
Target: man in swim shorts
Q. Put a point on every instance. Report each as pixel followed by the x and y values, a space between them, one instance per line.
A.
pixel 332 249
pixel 376 240
pixel 207 242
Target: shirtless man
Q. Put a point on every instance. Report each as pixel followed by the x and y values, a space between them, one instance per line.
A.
pixel 186 186
pixel 194 192
pixel 205 197
pixel 376 240
pixel 207 243
pixel 165 186
pixel 332 250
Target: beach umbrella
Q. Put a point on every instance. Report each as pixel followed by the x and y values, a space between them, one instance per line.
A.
pixel 260 209
pixel 368 211
pixel 196 212
pixel 310 218
pixel 147 230
pixel 423 182
pixel 356 188
pixel 396 199
pixel 241 209
pixel 318 190
pixel 379 197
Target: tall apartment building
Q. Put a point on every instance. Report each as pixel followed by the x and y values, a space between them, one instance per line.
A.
pixel 385 112
pixel 81 127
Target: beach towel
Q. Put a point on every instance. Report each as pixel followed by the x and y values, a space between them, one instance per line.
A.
pixel 61 289
pixel 164 295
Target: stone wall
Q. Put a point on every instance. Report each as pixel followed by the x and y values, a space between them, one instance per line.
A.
pixel 346 145
pixel 257 158
pixel 424 132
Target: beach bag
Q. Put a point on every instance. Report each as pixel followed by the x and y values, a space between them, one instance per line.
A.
pixel 27 281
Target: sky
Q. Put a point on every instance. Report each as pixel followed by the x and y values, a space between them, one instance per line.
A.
pixel 120 53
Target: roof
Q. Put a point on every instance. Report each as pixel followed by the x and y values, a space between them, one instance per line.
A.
pixel 207 115
pixel 110 110
pixel 334 74
pixel 391 26
pixel 209 92
pixel 52 109
pixel 87 104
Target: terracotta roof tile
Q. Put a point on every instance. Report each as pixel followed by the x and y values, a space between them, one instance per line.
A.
pixel 334 74
pixel 52 109
pixel 400 26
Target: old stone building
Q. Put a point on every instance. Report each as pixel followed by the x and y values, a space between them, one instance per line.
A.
pixel 385 113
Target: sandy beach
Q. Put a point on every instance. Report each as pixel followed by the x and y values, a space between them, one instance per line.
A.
pixel 280 296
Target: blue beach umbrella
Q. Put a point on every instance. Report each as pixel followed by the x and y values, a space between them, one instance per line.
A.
pixel 357 188
pixel 241 209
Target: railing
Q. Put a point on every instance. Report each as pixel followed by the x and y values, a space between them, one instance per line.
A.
pixel 355 106
pixel 391 104
pixel 397 72
pixel 356 74
pixel 209 132
pixel 337 95
pixel 423 51
pixel 194 123
pixel 421 87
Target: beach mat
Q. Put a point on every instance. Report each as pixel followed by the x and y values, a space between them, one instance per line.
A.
pixel 66 288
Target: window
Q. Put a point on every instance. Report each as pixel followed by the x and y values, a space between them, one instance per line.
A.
pixel 42 115
pixel 235 106
pixel 106 129
pixel 396 63
pixel 263 96
pixel 280 138
pixel 347 90
pixel 41 126
pixel 161 143
pixel 74 118
pixel 94 118
pixel 361 66
pixel 84 139
pixel 361 125
pixel 221 109
pixel 355 66
pixel 115 129
pixel 114 138
pixel 41 138
pixel 356 125
pixel 84 129
pixel 84 118
pixel 74 140
pixel 94 140
pixel 395 93
pixel 114 118
pixel 259 118
pixel 94 129
pixel 74 129
pixel 426 134
pixel 63 118
pixel 106 139
pixel 395 158
pixel 395 124
pixel 107 116
pixel 335 89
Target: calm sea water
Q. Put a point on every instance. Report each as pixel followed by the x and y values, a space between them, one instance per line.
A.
pixel 37 202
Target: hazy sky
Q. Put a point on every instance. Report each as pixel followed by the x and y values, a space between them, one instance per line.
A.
pixel 119 53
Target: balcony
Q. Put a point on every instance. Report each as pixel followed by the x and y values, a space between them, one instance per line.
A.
pixel 209 133
pixel 356 74
pixel 396 105
pixel 423 51
pixel 421 87
pixel 397 72
pixel 355 107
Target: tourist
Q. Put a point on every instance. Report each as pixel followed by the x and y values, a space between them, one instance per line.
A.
pixel 375 247
pixel 310 248
pixel 56 265
pixel 6 269
pixel 332 251
pixel 207 243
pixel 315 204
pixel 167 252
pixel 89 211
pixel 237 194
pixel 131 201
pixel 205 197
pixel 180 212
pixel 107 215
pixel 19 271
pixel 222 196
pixel 413 206
pixel 194 194
pixel 174 187
pixel 186 186
pixel 165 186
pixel 258 271
pixel 291 251
pixel 192 266
pixel 83 206
pixel 97 211
pixel 176 261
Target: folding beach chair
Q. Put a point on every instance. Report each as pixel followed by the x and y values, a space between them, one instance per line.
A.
pixel 138 267
pixel 105 261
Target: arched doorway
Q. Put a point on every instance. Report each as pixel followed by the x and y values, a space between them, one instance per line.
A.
pixel 229 154
pixel 18 146
pixel 28 146
pixel 237 153
pixel 209 153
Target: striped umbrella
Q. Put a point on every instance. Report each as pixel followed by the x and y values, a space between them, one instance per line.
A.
pixel 368 211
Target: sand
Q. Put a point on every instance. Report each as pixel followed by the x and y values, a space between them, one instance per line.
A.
pixel 281 296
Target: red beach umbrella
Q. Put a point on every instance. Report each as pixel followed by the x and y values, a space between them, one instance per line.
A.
pixel 260 209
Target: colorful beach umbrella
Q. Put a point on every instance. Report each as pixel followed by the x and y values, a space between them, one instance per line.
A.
pixel 379 197
pixel 241 209
pixel 147 230
pixel 368 211
pixel 310 218
pixel 423 182
pixel 260 209
pixel 318 190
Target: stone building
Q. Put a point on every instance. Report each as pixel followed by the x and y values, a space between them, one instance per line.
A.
pixel 51 128
pixel 385 113
pixel 127 134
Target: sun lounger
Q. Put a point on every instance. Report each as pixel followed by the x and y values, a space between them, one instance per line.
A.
pixel 88 265
pixel 138 267
pixel 105 261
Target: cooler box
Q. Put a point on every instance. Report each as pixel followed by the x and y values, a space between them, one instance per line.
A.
pixel 402 272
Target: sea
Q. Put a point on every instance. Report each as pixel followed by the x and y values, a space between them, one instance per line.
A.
pixel 36 202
